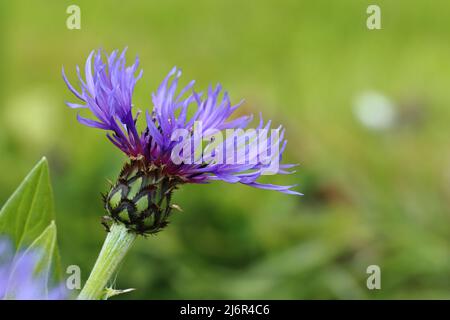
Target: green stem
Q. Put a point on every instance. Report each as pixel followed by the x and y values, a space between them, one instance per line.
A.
pixel 117 243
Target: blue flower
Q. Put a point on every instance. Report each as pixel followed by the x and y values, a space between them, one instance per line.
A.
pixel 19 279
pixel 179 118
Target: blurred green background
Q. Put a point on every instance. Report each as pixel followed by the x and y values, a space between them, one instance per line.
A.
pixel 373 195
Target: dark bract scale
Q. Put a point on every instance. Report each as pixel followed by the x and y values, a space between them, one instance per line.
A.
pixel 141 197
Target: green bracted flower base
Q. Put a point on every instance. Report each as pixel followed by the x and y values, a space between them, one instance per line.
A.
pixel 141 197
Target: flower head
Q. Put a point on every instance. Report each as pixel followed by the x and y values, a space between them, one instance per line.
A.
pixel 190 137
pixel 107 92
pixel 19 279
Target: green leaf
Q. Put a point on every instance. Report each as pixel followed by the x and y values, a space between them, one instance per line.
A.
pixel 45 244
pixel 27 219
pixel 30 209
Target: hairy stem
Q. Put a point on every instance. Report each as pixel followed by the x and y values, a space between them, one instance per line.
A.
pixel 117 243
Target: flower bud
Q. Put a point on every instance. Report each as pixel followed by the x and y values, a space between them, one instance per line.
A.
pixel 140 199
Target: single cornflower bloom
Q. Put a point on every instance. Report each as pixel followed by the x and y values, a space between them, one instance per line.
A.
pixel 19 278
pixel 189 137
pixel 170 150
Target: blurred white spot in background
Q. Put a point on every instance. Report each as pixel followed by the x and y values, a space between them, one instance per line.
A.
pixel 375 111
